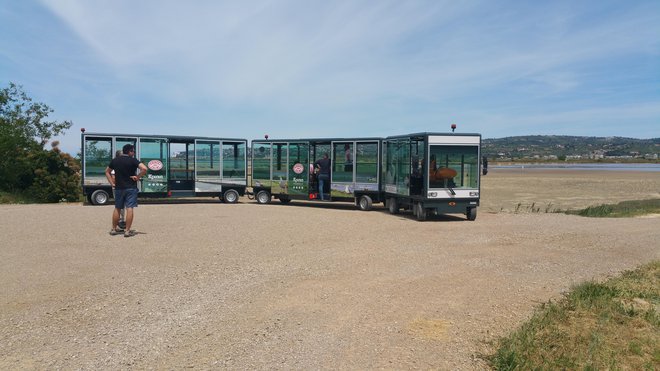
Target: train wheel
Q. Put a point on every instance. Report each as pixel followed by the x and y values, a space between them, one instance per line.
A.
pixel 419 211
pixel 365 203
pixel 285 200
pixel 263 197
pixel 393 205
pixel 99 197
pixel 230 196
pixel 471 213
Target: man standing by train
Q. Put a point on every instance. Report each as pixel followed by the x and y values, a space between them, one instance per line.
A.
pixel 323 165
pixel 125 184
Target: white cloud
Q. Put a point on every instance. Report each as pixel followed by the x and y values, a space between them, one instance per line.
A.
pixel 369 60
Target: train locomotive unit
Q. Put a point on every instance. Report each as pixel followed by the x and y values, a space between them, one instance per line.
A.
pixel 433 173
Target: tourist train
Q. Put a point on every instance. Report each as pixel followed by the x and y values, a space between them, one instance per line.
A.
pixel 427 173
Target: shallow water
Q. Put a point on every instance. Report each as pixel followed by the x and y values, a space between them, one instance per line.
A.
pixel 611 167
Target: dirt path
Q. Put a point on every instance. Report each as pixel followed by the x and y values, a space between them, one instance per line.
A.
pixel 248 286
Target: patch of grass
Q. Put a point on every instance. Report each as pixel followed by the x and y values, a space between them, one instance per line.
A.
pixel 534 208
pixel 24 198
pixel 621 210
pixel 15 198
pixel 609 325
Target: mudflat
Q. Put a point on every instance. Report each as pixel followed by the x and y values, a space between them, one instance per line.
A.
pixel 305 286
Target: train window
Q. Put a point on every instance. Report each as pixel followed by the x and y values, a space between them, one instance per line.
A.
pixel 233 155
pixel 342 168
pixel 181 161
pixel 121 142
pixel 261 156
pixel 453 166
pixel 98 154
pixel 154 151
pixel 366 163
pixel 208 159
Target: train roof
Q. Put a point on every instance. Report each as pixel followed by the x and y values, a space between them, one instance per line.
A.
pixel 169 137
pixel 424 134
pixel 323 140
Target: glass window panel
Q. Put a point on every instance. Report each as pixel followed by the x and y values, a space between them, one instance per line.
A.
pixel 121 142
pixel 453 167
pixel 298 168
pixel 342 171
pixel 154 150
pixel 402 163
pixel 98 154
pixel 280 168
pixel 417 166
pixel 261 164
pixel 366 163
pixel 384 163
pixel 233 154
pixel 179 161
pixel 208 159
pixel 389 163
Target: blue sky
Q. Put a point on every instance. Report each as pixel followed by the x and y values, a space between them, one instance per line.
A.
pixel 338 68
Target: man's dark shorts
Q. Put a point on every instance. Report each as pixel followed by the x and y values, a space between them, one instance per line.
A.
pixel 126 198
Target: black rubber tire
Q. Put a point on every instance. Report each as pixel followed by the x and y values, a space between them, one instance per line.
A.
pixel 393 205
pixel 285 200
pixel 99 197
pixel 365 203
pixel 419 211
pixel 471 213
pixel 263 197
pixel 230 196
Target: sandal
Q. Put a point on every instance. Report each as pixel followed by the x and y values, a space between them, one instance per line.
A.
pixel 114 232
pixel 129 233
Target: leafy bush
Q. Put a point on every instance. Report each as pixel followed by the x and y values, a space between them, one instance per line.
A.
pixel 56 176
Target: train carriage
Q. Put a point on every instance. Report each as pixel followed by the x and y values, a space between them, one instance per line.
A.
pixel 178 166
pixel 284 169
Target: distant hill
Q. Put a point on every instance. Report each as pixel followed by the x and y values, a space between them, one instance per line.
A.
pixel 561 147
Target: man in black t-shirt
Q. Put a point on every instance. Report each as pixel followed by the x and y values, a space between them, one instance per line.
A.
pixel 323 165
pixel 125 184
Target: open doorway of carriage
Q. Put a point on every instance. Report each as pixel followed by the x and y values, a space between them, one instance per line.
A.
pixel 316 152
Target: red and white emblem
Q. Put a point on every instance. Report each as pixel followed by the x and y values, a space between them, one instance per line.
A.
pixel 155 165
pixel 298 168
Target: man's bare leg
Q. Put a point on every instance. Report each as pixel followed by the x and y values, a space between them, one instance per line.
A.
pixel 129 218
pixel 115 219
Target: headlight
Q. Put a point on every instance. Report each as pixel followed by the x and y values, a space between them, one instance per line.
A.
pixel 433 194
pixel 474 194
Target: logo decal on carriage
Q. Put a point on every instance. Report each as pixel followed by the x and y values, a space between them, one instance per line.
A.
pixel 155 165
pixel 298 168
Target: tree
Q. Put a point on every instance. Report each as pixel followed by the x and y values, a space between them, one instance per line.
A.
pixel 24 120
pixel 24 163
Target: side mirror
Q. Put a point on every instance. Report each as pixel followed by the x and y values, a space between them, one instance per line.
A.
pixel 484 162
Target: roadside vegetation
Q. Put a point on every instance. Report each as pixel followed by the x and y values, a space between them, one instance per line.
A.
pixel 15 198
pixel 624 209
pixel 621 210
pixel 596 326
pixel 29 172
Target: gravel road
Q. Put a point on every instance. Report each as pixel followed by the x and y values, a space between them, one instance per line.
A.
pixel 247 286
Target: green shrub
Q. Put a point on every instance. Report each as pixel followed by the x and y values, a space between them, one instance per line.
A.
pixel 56 177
